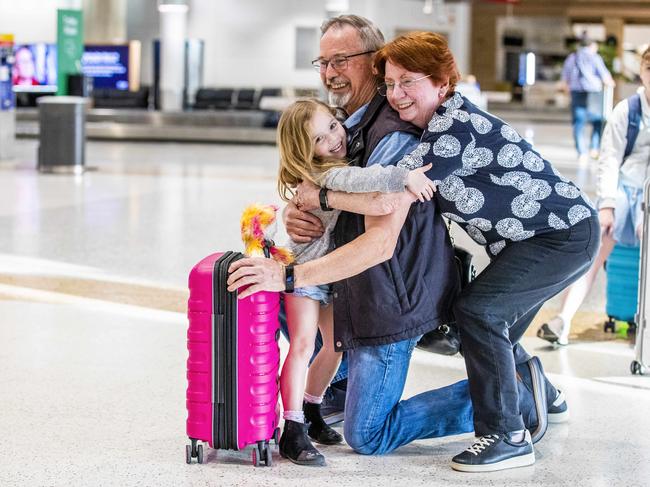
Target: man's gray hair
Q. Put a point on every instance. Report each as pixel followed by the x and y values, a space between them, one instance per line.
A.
pixel 371 37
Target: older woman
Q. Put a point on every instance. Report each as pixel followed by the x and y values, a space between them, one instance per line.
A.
pixel 540 231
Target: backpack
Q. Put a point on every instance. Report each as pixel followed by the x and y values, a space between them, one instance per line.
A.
pixel 633 123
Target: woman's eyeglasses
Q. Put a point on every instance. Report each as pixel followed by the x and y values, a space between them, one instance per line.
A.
pixel 405 85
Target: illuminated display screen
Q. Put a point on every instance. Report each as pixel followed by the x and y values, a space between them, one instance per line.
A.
pixel 107 65
pixel 34 67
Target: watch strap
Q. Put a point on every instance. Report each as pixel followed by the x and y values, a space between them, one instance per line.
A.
pixel 289 279
pixel 322 196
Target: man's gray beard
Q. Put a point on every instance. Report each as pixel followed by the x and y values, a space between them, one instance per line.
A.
pixel 337 100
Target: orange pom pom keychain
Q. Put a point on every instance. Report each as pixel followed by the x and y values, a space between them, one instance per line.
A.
pixel 258 225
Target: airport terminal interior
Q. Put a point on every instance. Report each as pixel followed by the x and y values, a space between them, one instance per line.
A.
pixel 96 246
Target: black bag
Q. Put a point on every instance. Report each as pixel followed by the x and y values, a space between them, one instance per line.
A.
pixel 444 340
pixel 466 269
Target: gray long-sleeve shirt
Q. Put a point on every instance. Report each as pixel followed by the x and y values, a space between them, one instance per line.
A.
pixel 350 179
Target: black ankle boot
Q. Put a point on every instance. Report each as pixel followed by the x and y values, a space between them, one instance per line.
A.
pixel 318 430
pixel 295 445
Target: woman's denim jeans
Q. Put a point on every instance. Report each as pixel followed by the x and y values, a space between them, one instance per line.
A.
pixel 495 310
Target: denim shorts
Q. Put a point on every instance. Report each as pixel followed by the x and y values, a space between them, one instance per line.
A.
pixel 322 293
pixel 628 215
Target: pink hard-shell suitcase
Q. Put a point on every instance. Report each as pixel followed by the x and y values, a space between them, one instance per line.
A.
pixel 232 368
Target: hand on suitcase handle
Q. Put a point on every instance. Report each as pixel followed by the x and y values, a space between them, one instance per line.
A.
pixel 256 272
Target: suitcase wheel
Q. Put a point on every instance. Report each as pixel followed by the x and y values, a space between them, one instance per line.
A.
pixel 637 368
pixel 192 451
pixel 610 325
pixel 257 461
pixel 262 453
pixel 276 436
pixel 631 329
pixel 268 457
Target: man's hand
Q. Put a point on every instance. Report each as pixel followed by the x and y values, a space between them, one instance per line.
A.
pixel 302 226
pixel 258 273
pixel 307 196
pixel 420 185
pixel 606 217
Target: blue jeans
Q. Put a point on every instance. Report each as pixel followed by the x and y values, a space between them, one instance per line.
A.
pixel 377 422
pixel 342 373
pixel 494 311
pixel 581 115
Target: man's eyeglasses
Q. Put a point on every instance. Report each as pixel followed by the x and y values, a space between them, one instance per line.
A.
pixel 340 63
pixel 405 85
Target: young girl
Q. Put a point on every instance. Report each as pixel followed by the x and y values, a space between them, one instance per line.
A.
pixel 313 146
pixel 620 193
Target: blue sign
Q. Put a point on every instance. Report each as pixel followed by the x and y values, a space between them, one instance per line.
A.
pixel 107 65
pixel 6 93
pixel 6 60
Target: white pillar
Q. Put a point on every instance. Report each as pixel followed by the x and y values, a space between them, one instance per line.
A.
pixel 7 133
pixel 173 28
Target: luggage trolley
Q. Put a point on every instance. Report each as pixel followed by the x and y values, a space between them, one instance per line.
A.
pixel 641 361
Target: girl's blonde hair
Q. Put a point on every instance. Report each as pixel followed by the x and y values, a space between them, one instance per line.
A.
pixel 297 159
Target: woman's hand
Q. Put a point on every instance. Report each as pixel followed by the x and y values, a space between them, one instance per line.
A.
pixel 606 217
pixel 420 185
pixel 258 273
pixel 302 226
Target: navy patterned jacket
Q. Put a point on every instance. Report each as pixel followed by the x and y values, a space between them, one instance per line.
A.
pixel 491 181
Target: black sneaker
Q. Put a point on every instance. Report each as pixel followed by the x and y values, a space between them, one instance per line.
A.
pixel 546 333
pixel 495 452
pixel 558 411
pixel 333 406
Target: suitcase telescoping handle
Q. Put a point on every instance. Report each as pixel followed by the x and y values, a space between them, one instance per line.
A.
pixel 267 247
pixel 224 413
pixel 225 307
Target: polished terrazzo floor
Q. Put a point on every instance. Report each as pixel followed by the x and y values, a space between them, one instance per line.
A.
pixel 93 273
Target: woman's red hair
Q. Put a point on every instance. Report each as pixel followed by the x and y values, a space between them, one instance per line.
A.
pixel 420 52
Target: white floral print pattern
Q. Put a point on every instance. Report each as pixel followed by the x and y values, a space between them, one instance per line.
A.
pixel 488 172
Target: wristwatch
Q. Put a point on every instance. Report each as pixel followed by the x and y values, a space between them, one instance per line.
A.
pixel 322 196
pixel 288 279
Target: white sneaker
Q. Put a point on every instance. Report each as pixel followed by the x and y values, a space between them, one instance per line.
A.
pixel 558 412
